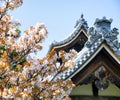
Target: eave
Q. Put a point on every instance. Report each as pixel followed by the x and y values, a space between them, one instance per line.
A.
pixel 103 46
pixel 77 32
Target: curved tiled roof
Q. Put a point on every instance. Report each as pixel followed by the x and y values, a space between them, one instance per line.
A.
pixel 96 42
pixel 81 60
pixel 80 24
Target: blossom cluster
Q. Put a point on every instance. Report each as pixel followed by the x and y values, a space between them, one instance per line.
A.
pixel 23 77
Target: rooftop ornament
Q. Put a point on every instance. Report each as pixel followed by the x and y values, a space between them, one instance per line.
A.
pixel 81 21
pixel 102 30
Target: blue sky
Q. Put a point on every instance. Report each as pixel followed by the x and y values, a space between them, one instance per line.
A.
pixel 60 16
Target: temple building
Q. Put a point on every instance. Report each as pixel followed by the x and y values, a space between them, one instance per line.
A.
pixel 96 72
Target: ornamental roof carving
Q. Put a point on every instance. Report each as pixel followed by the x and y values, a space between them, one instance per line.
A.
pixel 103 20
pixel 102 29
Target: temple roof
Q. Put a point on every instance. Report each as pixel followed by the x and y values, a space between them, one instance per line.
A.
pixel 100 37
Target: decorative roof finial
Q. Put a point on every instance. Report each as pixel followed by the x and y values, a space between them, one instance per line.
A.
pixel 81 22
pixel 102 30
pixel 82 15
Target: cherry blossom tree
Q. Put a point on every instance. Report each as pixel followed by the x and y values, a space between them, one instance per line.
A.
pixel 23 77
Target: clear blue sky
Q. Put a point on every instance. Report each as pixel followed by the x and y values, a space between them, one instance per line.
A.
pixel 60 16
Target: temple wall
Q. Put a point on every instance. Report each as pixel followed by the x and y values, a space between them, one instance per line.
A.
pixel 86 90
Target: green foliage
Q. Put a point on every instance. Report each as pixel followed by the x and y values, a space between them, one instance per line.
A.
pixel 14 53
pixel 2 48
pixel 18 30
pixel 10 85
